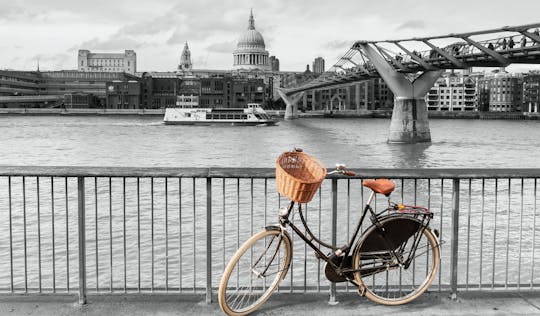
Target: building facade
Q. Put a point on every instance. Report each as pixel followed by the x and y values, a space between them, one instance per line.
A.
pixel 531 93
pixel 123 94
pixel 505 92
pixel 49 88
pixel 107 62
pixel 453 92
pixel 318 65
pixel 274 63
pixel 250 52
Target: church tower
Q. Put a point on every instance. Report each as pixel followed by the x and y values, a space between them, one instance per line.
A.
pixel 185 59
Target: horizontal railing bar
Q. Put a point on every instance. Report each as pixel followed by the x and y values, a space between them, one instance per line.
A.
pixel 130 172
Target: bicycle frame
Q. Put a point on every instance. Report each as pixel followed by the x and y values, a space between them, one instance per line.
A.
pixel 345 250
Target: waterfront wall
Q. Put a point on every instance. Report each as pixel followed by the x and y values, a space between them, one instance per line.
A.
pixel 279 113
pixel 75 111
pixel 154 230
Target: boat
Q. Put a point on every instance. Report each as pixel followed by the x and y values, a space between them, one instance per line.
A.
pixel 252 115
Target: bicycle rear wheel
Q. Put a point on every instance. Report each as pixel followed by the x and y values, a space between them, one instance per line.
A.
pixel 255 271
pixel 382 278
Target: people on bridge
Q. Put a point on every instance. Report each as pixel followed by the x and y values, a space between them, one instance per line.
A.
pixel 523 41
pixel 490 46
pixel 511 43
pixel 504 43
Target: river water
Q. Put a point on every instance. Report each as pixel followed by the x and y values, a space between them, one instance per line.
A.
pixel 163 243
pixel 361 143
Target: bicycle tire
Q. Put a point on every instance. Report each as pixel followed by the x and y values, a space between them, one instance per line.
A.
pixel 383 281
pixel 239 296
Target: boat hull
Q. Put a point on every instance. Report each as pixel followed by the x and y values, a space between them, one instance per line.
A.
pixel 216 122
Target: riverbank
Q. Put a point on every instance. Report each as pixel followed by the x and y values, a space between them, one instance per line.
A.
pixel 275 113
pixel 81 112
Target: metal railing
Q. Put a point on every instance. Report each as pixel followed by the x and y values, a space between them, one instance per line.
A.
pixel 86 231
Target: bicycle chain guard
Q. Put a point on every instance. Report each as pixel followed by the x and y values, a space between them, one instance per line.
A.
pixel 332 275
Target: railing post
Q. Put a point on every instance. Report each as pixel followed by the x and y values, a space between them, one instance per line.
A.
pixel 82 240
pixel 334 237
pixel 454 239
pixel 208 240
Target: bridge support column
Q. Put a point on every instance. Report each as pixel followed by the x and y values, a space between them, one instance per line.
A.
pixel 366 95
pixel 409 122
pixel 348 105
pixel 291 111
pixel 357 97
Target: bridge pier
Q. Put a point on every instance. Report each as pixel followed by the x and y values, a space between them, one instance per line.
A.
pixel 291 111
pixel 409 122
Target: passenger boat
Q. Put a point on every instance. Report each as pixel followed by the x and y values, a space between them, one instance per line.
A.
pixel 252 115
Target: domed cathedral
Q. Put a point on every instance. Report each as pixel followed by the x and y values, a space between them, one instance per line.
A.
pixel 185 59
pixel 250 52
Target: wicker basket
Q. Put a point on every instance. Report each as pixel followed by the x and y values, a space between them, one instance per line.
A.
pixel 298 176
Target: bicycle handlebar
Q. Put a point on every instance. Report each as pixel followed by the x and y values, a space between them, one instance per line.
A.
pixel 341 169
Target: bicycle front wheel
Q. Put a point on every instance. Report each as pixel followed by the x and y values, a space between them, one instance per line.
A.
pixel 255 271
pixel 401 272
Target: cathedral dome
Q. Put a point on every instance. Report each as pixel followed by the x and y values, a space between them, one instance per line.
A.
pixel 250 52
pixel 251 39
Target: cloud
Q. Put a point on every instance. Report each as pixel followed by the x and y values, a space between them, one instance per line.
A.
pixel 14 13
pixel 412 24
pixel 50 61
pixel 111 43
pixel 223 47
pixel 338 44
pixel 160 24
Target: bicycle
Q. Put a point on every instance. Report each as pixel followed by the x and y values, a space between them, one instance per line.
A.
pixel 392 262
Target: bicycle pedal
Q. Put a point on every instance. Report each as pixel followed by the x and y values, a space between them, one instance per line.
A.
pixel 361 291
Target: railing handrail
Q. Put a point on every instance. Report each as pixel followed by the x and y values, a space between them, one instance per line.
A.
pixel 253 173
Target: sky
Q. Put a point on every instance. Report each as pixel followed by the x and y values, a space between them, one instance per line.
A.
pixel 296 32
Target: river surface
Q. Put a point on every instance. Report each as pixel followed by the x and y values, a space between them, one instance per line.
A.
pixel 146 142
pixel 146 233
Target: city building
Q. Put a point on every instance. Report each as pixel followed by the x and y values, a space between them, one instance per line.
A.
pixel 66 88
pixel 250 52
pixel 372 94
pixel 318 65
pixel 107 62
pixel 505 92
pixel 482 93
pixel 274 63
pixel 453 92
pixel 531 93
pixel 185 59
pixel 123 94
pixel 159 90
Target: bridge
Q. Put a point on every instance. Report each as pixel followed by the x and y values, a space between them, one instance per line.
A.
pixel 411 66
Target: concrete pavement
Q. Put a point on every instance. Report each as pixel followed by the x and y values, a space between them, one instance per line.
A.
pixel 510 303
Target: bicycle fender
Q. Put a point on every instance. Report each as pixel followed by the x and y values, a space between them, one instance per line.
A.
pixel 272 227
